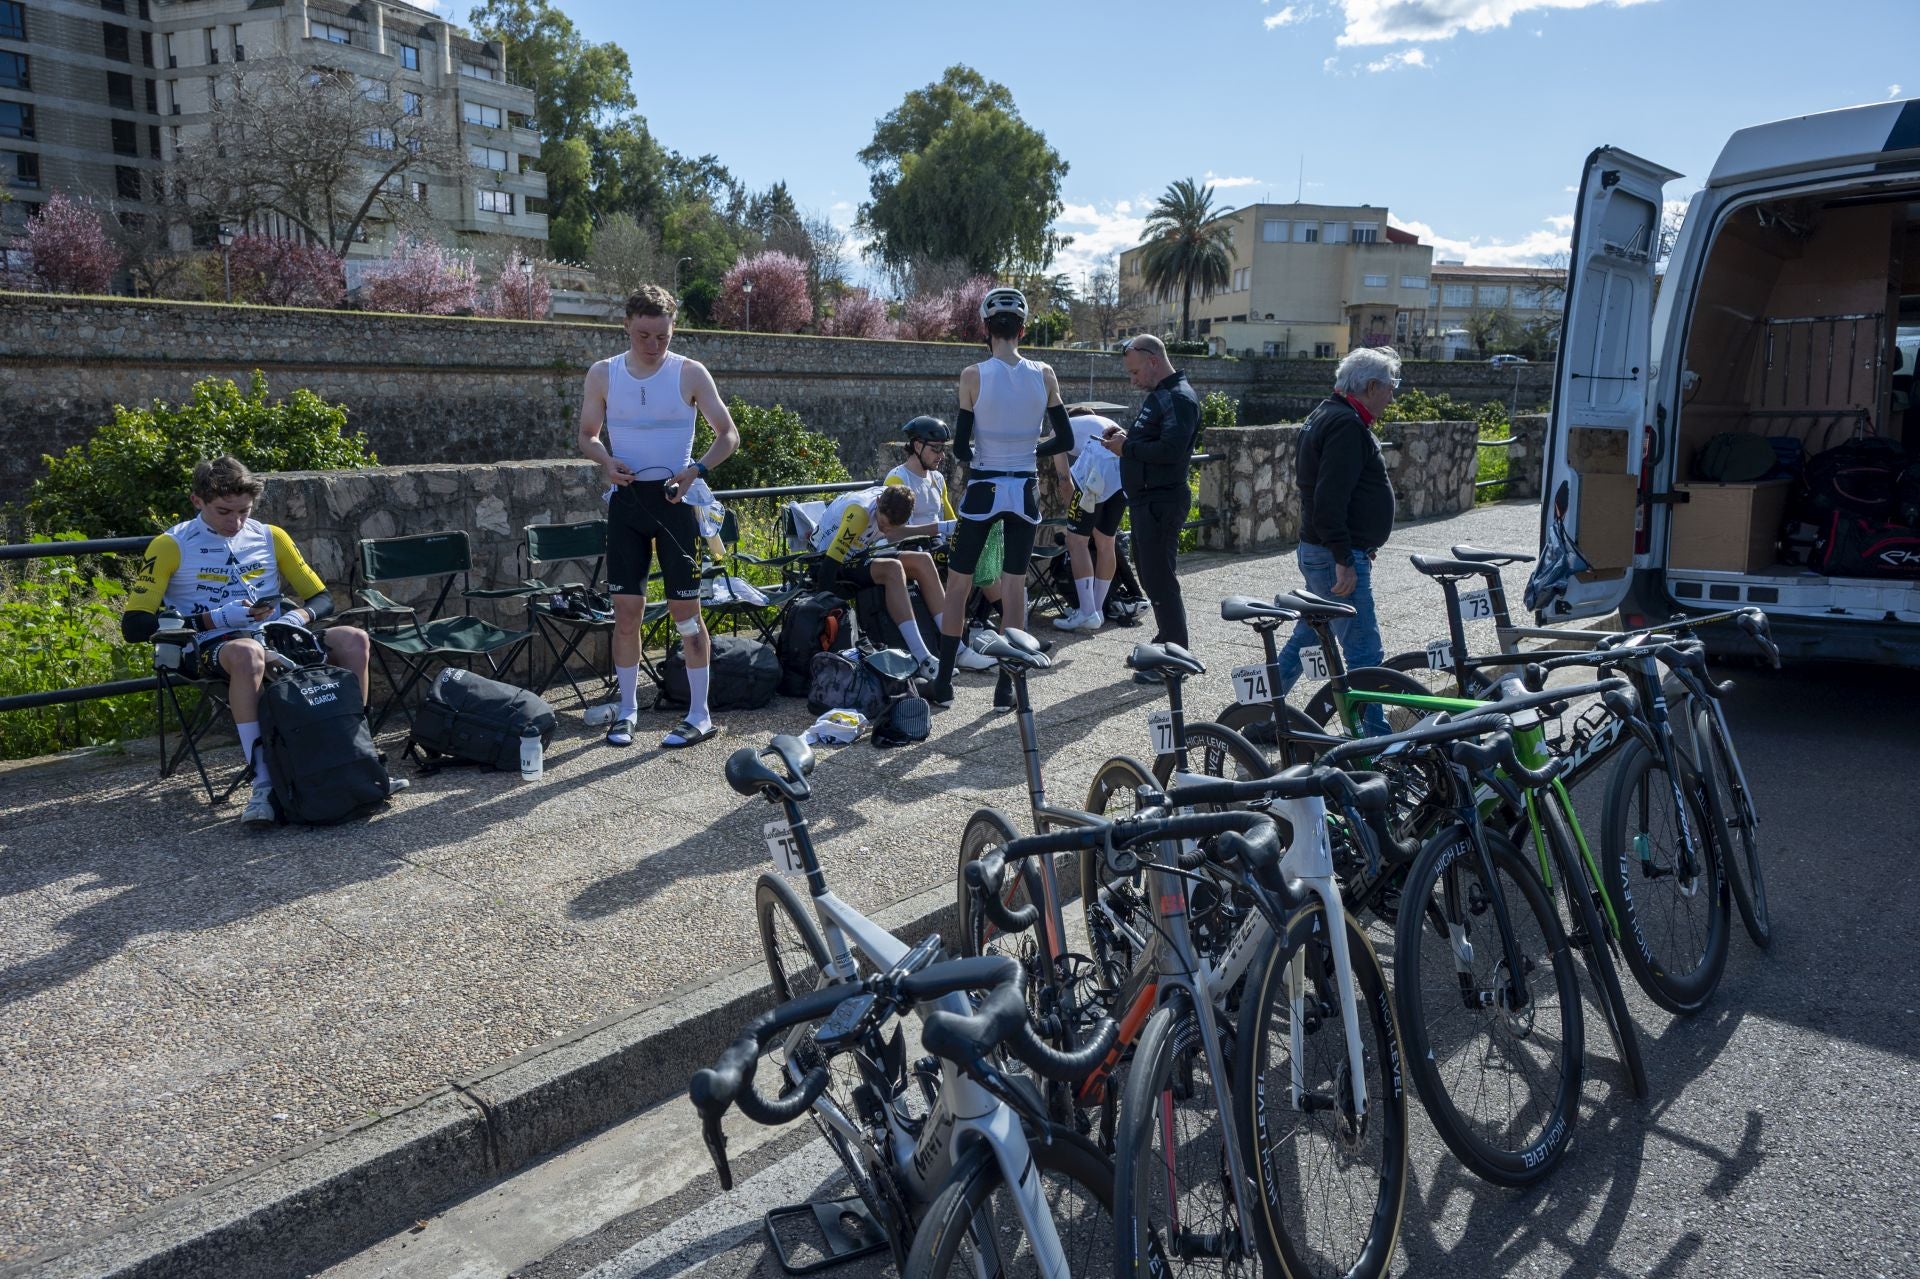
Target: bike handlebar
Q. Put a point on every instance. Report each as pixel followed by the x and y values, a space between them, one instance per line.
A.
pixel 730 1080
pixel 1001 1018
pixel 1487 719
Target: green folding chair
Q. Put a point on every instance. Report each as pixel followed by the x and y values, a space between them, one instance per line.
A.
pixel 402 639
pixel 553 608
pixel 719 602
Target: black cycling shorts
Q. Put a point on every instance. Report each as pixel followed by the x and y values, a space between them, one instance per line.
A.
pixel 641 520
pixel 1103 519
pixel 971 537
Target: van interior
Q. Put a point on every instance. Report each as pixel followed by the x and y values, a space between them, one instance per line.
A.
pixel 1803 332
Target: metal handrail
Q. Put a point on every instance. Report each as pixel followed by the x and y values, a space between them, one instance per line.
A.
pixel 1503 480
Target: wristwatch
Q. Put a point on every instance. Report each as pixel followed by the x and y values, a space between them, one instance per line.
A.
pixel 701 467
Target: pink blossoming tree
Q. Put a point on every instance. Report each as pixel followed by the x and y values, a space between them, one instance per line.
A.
pixel 521 293
pixel 423 279
pixel 860 317
pixel 780 302
pixel 71 251
pixel 286 272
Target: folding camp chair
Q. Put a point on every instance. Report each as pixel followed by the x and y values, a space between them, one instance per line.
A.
pixel 400 638
pixel 207 710
pixel 718 582
pixel 563 614
pixel 1042 565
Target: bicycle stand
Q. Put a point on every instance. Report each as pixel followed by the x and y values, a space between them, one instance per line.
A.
pixel 839 1245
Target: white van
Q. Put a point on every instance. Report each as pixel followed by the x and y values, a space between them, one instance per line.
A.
pixel 1790 309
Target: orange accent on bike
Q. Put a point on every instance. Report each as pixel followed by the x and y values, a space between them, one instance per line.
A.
pixel 1094 1089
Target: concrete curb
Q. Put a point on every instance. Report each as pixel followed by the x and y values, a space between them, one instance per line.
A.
pixel 327 1200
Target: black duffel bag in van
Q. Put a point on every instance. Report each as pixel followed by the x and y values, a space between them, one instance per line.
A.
pixel 742 675
pixel 1860 477
pixel 1856 547
pixel 313 728
pixel 478 720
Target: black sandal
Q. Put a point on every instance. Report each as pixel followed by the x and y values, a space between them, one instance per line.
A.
pixel 620 731
pixel 687 734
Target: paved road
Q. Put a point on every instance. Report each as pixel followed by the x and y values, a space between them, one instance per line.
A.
pixel 1780 1138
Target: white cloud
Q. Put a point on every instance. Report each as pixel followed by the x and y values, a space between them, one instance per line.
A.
pixel 1397 21
pixel 1224 184
pixel 1397 61
pixel 1098 232
pixel 1893 91
pixel 1530 250
pixel 1292 14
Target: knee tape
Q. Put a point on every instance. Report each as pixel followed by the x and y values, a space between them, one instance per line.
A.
pixel 689 627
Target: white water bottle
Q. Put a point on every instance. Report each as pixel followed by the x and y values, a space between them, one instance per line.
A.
pixel 601 714
pixel 531 762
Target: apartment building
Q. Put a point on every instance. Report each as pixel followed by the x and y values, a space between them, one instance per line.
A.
pixel 97 98
pixel 1523 296
pixel 1306 280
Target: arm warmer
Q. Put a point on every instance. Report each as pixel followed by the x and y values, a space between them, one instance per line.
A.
pixel 963 436
pixel 1061 440
pixel 318 607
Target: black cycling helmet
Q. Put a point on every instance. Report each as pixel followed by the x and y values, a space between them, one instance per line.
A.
pixel 927 429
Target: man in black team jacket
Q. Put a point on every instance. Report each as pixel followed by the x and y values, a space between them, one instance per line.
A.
pixel 1156 453
pixel 1346 509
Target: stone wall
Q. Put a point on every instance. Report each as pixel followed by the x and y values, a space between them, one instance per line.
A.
pixel 440 389
pixel 1252 490
pixel 1526 455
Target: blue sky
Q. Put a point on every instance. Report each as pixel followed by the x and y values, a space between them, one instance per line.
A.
pixel 1469 119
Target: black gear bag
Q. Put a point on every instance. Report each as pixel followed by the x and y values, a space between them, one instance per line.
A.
pixel 477 720
pixel 742 674
pixel 313 728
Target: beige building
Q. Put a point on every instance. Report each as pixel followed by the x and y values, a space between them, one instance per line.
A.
pixel 96 98
pixel 1522 296
pixel 1305 280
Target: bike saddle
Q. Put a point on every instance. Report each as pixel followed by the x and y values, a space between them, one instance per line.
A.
pixel 1244 608
pixel 1015 649
pixel 748 776
pixel 1163 659
pixel 1479 555
pixel 1308 605
pixel 894 663
pixel 1442 569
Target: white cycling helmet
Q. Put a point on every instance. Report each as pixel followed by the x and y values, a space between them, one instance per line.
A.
pixel 1004 302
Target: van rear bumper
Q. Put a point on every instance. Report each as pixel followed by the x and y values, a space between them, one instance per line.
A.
pixel 1839 639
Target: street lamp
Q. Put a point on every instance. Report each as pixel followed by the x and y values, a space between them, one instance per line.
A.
pixel 226 258
pixel 676 276
pixel 528 264
pixel 746 287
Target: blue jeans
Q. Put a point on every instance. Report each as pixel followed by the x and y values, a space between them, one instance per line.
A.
pixel 1358 636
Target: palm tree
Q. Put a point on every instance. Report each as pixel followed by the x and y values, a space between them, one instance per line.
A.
pixel 1183 250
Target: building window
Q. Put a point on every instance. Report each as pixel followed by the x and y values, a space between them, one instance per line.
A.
pixel 1373 281
pixel 1323 350
pixel 1433 296
pixel 126 139
pixel 120 90
pixel 1273 231
pixel 113 39
pixel 330 33
pixel 16 120
pixel 1400 327
pixel 1366 233
pixel 1333 233
pixel 1528 299
pixel 126 182
pixel 114 6
pixel 417 191
pixel 494 201
pixel 24 171
pixel 474 113
pixel 409 103
pixel 474 70
pixel 373 90
pixel 1493 295
pixel 13 20
pixel 233 38
pixel 410 57
pixel 1413 281
pixel 488 158
pixel 381 139
pixel 1457 294
pixel 153 98
pixel 1306 233
pixel 153 141
pixel 13 71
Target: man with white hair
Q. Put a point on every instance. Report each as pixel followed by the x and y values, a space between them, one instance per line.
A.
pixel 1346 509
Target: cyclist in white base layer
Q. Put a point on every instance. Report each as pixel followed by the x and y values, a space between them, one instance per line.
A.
pixel 644 399
pixel 927 441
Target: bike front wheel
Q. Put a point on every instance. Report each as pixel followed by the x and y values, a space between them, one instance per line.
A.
pixel 1736 817
pixel 1674 907
pixel 1214 750
pixel 1494 1039
pixel 1330 1183
pixel 974 1225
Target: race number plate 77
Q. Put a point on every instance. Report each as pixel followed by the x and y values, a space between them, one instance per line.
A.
pixel 1160 729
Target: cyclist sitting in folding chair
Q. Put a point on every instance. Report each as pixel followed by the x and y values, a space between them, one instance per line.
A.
pixel 862 520
pixel 227 575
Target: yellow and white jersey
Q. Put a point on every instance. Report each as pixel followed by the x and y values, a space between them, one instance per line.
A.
pixel 192 569
pixel 848 525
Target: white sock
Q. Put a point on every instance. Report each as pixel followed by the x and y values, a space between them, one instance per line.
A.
pixel 1084 587
pixel 697 713
pixel 629 677
pixel 910 632
pixel 249 738
pixel 1100 587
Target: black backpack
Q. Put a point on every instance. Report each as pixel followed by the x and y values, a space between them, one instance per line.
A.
pixel 814 622
pixel 1860 478
pixel 477 720
pixel 877 626
pixel 325 766
pixel 1855 547
pixel 1125 599
pixel 843 682
pixel 742 674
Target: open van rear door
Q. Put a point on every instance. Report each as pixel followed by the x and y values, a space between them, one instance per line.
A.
pixel 1602 397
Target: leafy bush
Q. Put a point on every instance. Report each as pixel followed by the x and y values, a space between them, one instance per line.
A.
pixel 60 628
pixel 1187 348
pixel 776 450
pixel 133 476
pixel 1423 406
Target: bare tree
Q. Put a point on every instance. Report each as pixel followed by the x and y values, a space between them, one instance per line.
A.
pixel 1104 310
pixel 322 148
pixel 626 254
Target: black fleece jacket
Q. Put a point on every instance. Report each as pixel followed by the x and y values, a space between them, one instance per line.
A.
pixel 1345 500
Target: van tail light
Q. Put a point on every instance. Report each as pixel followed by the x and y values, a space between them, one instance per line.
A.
pixel 1632 621
pixel 1642 524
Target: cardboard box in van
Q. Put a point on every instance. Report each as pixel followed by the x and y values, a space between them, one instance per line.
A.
pixel 1607 503
pixel 1727 528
